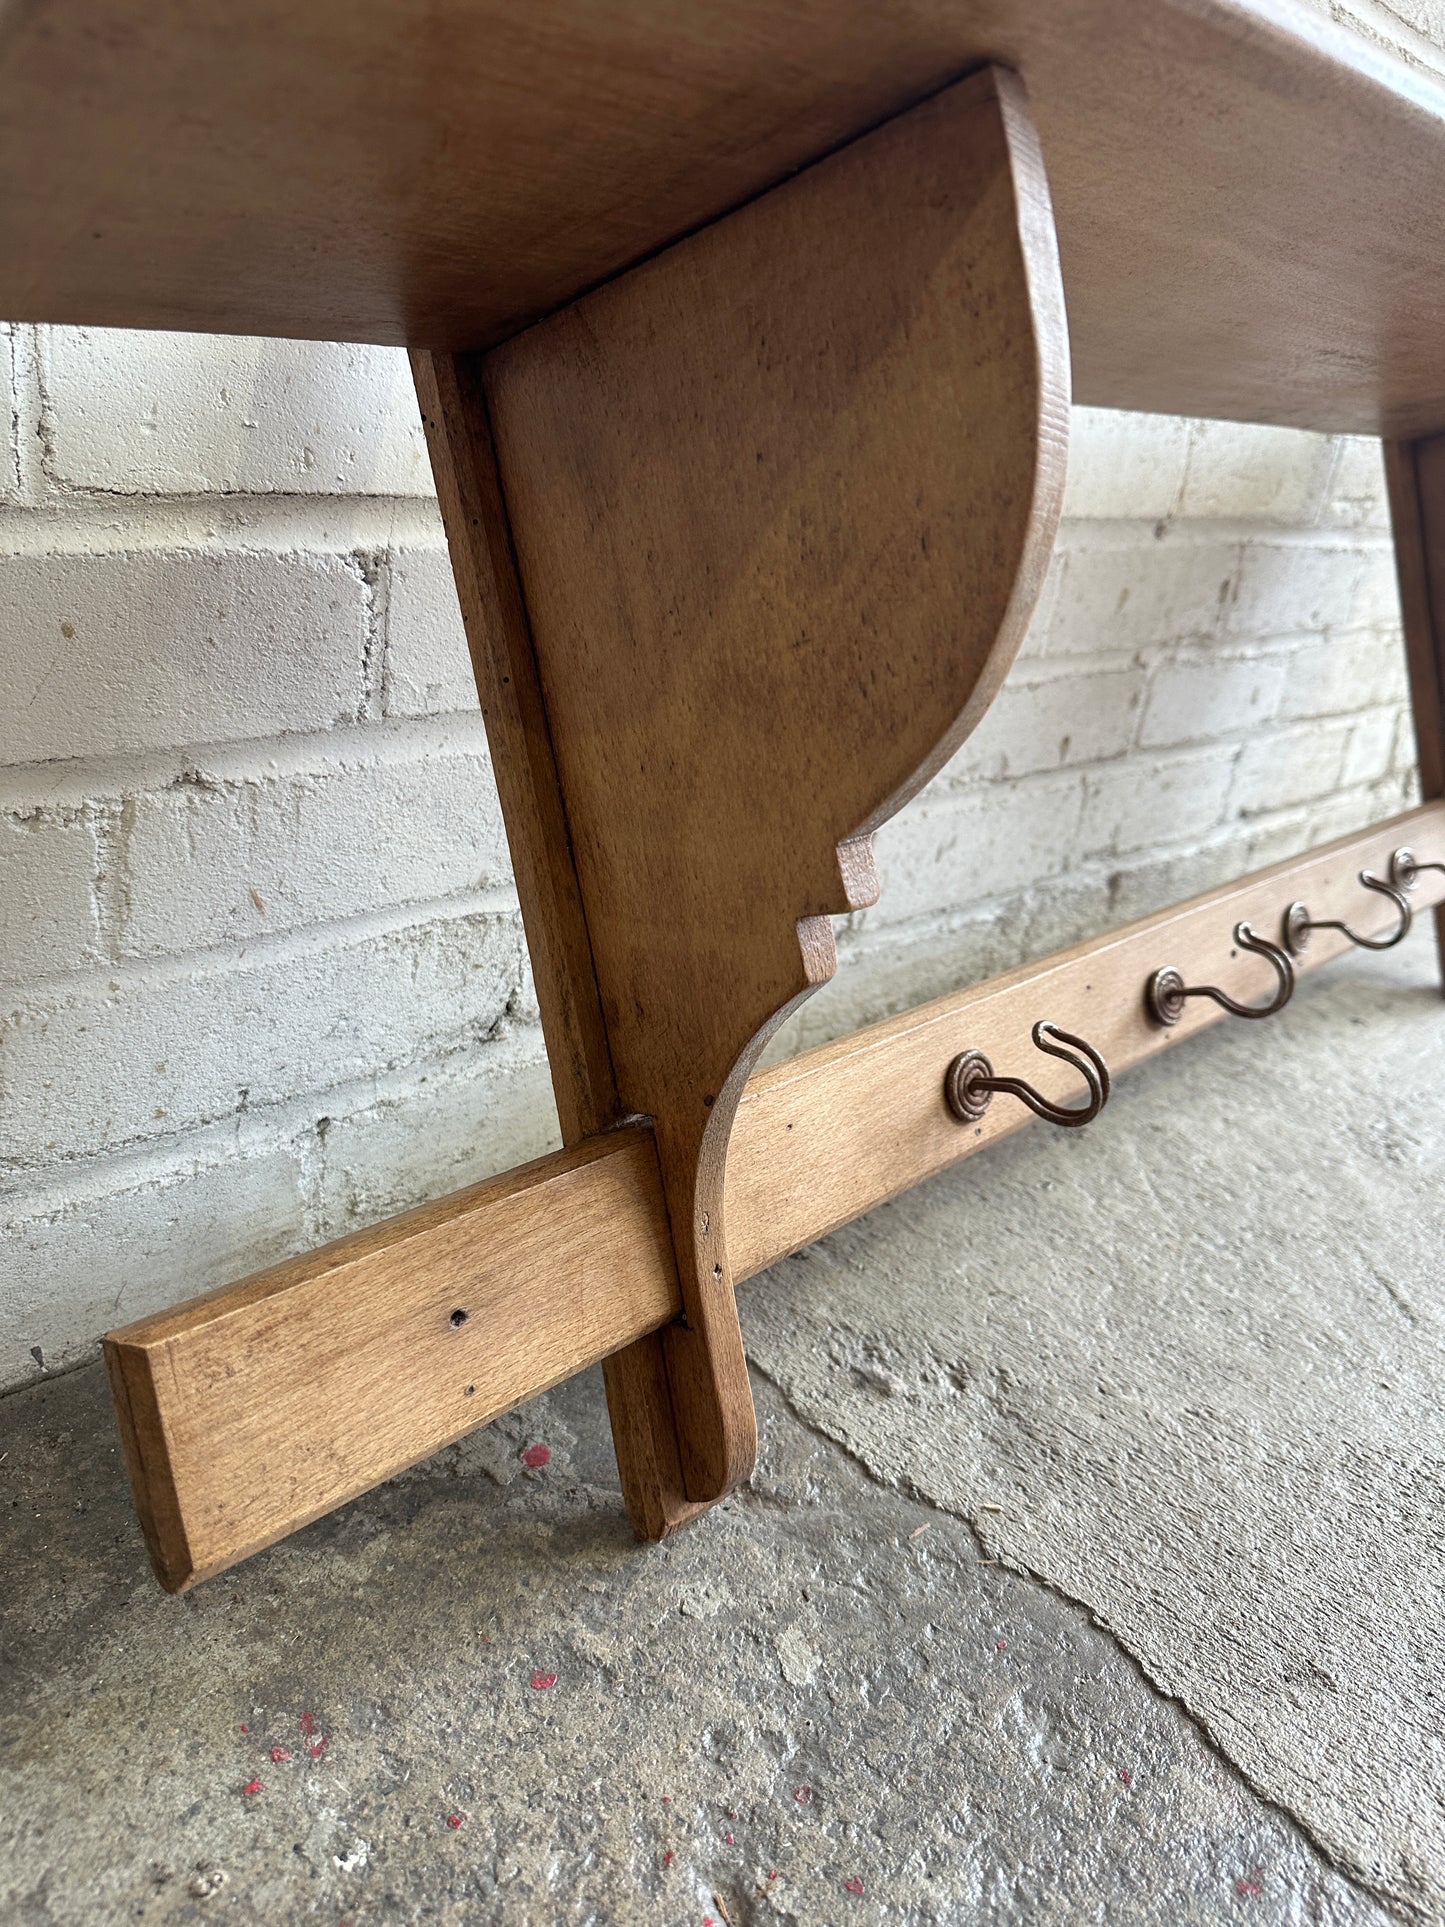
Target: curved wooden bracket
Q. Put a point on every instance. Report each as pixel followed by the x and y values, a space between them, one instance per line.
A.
pixel 781 500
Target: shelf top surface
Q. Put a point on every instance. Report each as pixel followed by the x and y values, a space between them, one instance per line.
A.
pixel 1251 203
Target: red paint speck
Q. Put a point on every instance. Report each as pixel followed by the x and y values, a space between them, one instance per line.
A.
pixel 667 1799
pixel 854 1886
pixel 1126 1776
pixel 308 1724
pixel 245 1729
pixel 537 1455
pixel 707 1920
pixel 454 1820
pixel 1000 1645
pixel 728 1837
pixel 802 1794
pixel 541 1681
pixel 774 1874
pixel 278 1754
pixel 318 1747
pixel 667 1858
pixel 1252 1884
pixel 251 1786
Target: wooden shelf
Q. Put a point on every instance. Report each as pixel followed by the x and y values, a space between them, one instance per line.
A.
pixel 745 540
pixel 1248 201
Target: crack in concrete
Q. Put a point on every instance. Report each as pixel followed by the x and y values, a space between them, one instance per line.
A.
pixel 1197 1724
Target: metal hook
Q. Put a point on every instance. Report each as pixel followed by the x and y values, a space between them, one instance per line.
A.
pixel 1166 990
pixel 1298 923
pixel 1406 869
pixel 969 1082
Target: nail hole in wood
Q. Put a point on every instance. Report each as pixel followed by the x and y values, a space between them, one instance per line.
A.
pixel 458 1318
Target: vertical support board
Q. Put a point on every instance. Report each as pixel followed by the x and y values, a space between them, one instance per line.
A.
pixel 781 500
pixel 1415 475
pixel 459 437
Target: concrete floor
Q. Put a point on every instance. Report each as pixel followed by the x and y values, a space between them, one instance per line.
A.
pixel 470 1697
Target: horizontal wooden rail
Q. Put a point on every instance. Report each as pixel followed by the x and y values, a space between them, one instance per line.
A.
pixel 825 1137
pixel 253 1410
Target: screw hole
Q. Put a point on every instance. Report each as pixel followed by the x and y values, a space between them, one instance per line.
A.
pixel 457 1319
pixel 471 1391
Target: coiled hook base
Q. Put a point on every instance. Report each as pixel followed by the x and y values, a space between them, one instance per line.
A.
pixel 1405 869
pixel 1164 996
pixel 968 1086
pixel 1297 927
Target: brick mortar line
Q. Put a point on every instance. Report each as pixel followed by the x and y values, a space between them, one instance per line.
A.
pixel 96 982
pixel 465 1044
pixel 393 741
pixel 389 742
pixel 45 1192
pixel 1200 650
pixel 1089 534
pixel 398 742
pixel 68 525
pixel 1084 875
pixel 962 797
pixel 273 520
pixel 16 483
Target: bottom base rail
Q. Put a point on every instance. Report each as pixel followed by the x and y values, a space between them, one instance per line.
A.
pixel 390 1343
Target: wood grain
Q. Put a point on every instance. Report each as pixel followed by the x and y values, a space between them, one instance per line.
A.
pixel 1248 199
pixel 562 1261
pixel 453 413
pixel 1415 475
pixel 459 437
pixel 782 500
pixel 251 1411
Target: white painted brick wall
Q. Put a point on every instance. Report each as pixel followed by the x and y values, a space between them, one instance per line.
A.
pixel 238 644
pixel 261 976
pixel 163 414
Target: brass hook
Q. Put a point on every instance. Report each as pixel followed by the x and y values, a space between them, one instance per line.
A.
pixel 969 1082
pixel 1406 869
pixel 1298 923
pixel 1166 990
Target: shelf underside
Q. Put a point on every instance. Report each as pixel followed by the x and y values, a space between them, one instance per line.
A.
pixel 1248 200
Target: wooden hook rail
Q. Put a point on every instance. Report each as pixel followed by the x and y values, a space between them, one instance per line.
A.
pixel 558 1264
